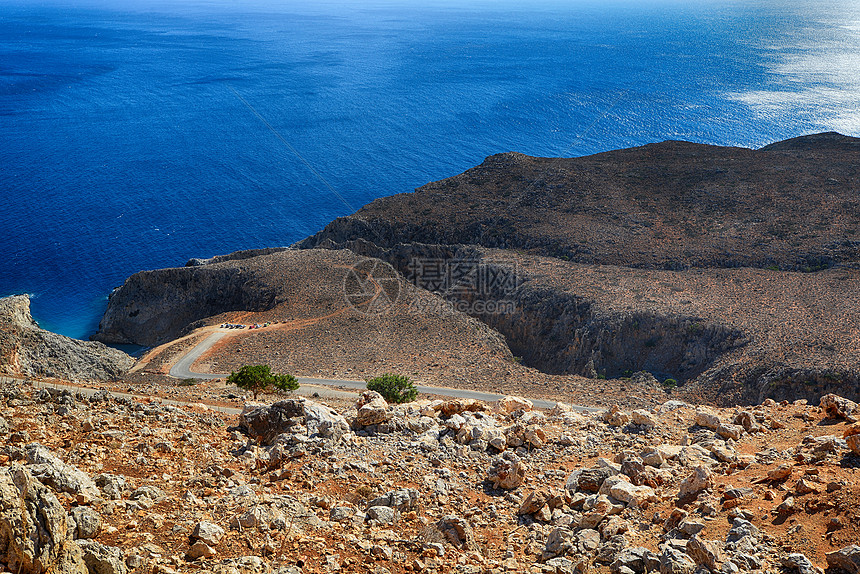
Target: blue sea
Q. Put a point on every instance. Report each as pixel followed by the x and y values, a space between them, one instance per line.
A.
pixel 138 134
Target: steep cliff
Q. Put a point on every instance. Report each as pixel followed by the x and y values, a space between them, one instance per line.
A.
pixel 27 350
pixel 153 307
pixel 732 335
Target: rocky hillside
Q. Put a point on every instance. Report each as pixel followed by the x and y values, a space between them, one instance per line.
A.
pixel 102 484
pixel 730 335
pixel 791 205
pixel 331 314
pixel 26 349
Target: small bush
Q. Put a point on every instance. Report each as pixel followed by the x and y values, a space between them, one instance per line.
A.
pixel 259 379
pixel 393 388
pixel 285 383
pixel 669 384
pixel 696 328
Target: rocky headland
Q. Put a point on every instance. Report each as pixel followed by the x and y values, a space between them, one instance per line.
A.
pixel 28 350
pixel 791 205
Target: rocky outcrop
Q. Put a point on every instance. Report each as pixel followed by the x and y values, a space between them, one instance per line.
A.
pixel 34 536
pixel 153 307
pixel 27 350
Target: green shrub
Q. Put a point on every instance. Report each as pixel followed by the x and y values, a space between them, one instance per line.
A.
pixel 393 388
pixel 669 384
pixel 696 328
pixel 285 383
pixel 259 379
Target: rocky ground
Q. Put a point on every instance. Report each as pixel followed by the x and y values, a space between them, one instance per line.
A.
pixel 109 485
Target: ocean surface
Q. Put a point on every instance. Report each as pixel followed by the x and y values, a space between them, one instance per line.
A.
pixel 138 134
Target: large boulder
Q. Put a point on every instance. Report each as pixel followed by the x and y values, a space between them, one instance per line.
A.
pixel 458 532
pixel 101 559
pixel 797 562
pixel 708 420
pixel 372 409
pixel 34 536
pixel 701 478
pixel 847 559
pixel 87 522
pixel 506 471
pixel 62 477
pixel 324 421
pixel 635 496
pixel 837 407
pixel 673 561
pixel 852 438
pixel 266 422
pixel 208 533
pixel 511 404
pixel 401 500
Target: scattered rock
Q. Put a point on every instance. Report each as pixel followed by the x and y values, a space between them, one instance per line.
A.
pixel 801 564
pixel 704 552
pixel 458 532
pixel 847 559
pixel 616 417
pixel 512 404
pixel 87 522
pixel 506 471
pixel 101 559
pixel 701 478
pixel 708 420
pixel 208 533
pixel 643 418
pixel 591 479
pixel 200 550
pixel 781 472
pixel 838 407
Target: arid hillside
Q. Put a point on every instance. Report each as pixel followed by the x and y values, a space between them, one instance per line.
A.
pixel 791 205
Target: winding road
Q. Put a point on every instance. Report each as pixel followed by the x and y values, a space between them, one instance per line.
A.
pixel 182 370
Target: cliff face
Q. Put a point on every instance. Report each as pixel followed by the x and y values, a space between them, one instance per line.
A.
pixel 27 350
pixel 153 307
pixel 560 332
pixel 673 205
pixel 732 335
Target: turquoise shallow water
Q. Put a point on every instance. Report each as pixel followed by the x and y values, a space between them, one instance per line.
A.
pixel 125 143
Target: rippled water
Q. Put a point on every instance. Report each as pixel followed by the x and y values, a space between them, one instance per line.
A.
pixel 125 143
